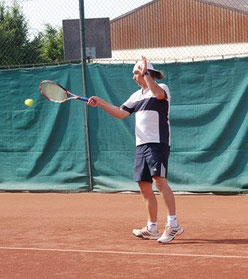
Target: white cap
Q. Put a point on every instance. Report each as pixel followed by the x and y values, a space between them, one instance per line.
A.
pixel 140 63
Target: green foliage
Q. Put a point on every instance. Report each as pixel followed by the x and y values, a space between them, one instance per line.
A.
pixel 16 46
pixel 13 35
pixel 52 45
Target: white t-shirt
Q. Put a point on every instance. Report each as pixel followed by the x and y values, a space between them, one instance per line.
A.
pixel 151 116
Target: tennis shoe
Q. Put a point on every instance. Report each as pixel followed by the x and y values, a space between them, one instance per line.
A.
pixel 170 233
pixel 145 233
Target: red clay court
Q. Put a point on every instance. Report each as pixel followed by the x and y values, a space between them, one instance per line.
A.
pixel 89 235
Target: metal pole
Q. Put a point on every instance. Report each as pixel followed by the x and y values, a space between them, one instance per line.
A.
pixel 83 60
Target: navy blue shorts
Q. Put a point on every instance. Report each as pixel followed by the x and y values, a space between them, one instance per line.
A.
pixel 151 160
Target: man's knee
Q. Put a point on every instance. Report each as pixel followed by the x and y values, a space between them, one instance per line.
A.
pixel 145 189
pixel 160 182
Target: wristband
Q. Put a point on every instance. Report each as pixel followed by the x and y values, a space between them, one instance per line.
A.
pixel 145 74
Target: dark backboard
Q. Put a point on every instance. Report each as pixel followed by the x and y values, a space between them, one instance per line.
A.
pixel 97 38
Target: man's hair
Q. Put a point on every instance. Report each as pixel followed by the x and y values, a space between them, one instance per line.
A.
pixel 156 74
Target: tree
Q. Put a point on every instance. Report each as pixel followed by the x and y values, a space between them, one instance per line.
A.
pixel 16 47
pixel 52 45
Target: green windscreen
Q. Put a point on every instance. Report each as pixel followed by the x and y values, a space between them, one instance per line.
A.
pixel 44 147
pixel 209 126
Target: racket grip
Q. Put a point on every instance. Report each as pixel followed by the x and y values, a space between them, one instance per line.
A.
pixel 84 99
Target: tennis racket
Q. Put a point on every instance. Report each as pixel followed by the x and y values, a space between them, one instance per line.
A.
pixel 57 93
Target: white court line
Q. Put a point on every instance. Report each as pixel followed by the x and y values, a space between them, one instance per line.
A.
pixel 123 252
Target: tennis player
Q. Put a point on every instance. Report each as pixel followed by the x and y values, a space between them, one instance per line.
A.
pixel 151 105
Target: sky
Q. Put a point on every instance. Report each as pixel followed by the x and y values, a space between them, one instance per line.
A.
pixel 40 12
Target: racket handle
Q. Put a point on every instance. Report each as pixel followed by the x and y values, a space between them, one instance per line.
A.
pixel 84 99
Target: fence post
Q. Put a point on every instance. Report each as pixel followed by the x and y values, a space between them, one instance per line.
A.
pixel 83 61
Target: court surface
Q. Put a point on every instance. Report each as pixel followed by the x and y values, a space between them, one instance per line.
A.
pixel 88 235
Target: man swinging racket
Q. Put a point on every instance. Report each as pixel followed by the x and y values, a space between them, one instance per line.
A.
pixel 151 105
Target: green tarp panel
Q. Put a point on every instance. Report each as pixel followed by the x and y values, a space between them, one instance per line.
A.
pixel 209 126
pixel 112 141
pixel 44 147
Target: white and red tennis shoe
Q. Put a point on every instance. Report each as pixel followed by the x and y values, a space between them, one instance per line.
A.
pixel 170 233
pixel 145 233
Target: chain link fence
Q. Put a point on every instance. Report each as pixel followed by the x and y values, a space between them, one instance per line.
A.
pixel 38 32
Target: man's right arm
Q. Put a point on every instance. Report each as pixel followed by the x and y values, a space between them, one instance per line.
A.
pixel 115 111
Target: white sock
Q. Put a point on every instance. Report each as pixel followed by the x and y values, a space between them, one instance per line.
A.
pixel 152 226
pixel 172 221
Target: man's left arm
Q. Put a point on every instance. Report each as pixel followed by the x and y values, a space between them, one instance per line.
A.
pixel 155 88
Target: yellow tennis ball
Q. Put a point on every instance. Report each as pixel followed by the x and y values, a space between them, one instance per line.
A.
pixel 29 102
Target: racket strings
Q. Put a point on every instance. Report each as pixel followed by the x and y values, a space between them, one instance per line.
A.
pixel 54 92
